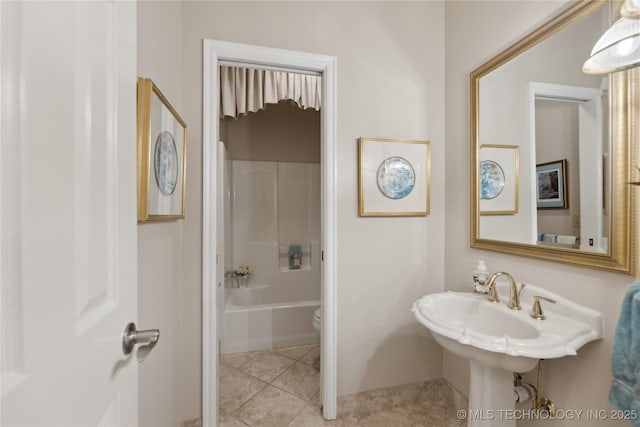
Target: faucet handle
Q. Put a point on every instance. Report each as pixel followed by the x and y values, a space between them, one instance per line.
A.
pixel 536 310
pixel 522 286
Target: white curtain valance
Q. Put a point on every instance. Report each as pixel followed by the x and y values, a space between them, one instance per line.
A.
pixel 244 90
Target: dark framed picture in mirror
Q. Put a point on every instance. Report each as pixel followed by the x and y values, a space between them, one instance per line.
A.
pixel 552 191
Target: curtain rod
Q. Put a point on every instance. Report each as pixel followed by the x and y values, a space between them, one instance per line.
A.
pixel 228 63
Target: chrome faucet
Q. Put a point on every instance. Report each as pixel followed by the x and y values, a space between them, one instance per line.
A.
pixel 514 294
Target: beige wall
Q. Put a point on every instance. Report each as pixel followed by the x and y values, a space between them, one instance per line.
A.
pixel 476 31
pixel 391 63
pixel 281 132
pixel 165 398
pixel 390 84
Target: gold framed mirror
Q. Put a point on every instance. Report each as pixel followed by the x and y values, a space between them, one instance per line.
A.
pixel 576 136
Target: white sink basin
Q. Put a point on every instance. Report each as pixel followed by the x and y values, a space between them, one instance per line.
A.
pixel 471 319
pixel 499 341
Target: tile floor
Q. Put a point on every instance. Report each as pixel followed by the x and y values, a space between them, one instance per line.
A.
pixel 280 388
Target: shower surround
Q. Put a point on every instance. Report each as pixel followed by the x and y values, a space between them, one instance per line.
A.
pixel 270 207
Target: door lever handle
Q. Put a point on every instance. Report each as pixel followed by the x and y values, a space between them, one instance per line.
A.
pixel 131 337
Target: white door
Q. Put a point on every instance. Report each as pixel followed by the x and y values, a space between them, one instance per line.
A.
pixel 68 213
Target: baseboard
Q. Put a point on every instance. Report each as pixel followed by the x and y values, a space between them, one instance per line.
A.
pixel 194 422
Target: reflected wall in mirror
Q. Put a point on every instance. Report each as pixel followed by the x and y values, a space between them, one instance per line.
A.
pixel 575 134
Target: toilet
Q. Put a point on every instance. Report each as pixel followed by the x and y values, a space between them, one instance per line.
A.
pixel 317 318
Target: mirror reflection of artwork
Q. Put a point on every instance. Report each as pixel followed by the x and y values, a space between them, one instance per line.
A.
pixel 498 179
pixel 396 177
pixel 491 179
pixel 552 185
pixel 548 185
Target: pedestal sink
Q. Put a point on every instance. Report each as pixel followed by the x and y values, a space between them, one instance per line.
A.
pixel 499 341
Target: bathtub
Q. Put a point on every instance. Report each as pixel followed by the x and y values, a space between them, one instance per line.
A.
pixel 263 317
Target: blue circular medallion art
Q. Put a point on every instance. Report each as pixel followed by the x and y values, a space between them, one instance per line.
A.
pixel 166 163
pixel 491 179
pixel 396 178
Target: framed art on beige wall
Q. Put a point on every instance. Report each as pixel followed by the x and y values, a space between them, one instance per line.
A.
pixel 162 156
pixel 394 177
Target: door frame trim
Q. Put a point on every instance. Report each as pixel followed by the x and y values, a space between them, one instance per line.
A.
pixel 213 52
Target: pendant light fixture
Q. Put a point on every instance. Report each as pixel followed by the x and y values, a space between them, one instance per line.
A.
pixel 619 47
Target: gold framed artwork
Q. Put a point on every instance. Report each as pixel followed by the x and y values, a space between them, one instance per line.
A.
pixel 394 177
pixel 499 179
pixel 162 156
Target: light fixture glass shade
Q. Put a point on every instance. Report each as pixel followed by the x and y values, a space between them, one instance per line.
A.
pixel 630 9
pixel 617 49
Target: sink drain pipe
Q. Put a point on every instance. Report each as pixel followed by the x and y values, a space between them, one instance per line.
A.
pixel 526 392
pixel 522 392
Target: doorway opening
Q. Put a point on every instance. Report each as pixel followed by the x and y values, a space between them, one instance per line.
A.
pixel 222 53
pixel 570 160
